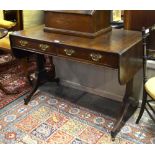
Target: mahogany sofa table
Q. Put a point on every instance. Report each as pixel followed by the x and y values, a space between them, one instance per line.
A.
pixel 117 49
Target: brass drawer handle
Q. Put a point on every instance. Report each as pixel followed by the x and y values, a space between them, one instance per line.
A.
pixel 69 52
pixel 43 47
pixel 95 56
pixel 23 42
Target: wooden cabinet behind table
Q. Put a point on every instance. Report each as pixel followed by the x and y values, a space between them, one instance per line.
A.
pixel 136 19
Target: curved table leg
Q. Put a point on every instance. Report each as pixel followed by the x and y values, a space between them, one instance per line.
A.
pixel 122 113
pixel 34 88
pixel 40 72
pixel 41 76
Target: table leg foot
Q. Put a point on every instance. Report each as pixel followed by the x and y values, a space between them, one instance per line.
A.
pixel 26 101
pixel 119 121
pixel 35 87
pixel 113 135
pixel 123 111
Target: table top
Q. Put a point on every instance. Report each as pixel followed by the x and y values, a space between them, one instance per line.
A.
pixel 116 41
pixel 121 49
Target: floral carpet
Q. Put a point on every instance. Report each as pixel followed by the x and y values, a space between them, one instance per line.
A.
pixel 13 82
pixel 51 120
pixel 7 99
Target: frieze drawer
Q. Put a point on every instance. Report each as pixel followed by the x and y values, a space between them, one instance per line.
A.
pixel 89 56
pixel 29 44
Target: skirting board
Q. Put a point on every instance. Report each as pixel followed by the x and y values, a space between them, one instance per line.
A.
pixel 151 64
pixel 92 90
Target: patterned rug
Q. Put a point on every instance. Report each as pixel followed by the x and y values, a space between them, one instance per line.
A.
pixel 52 120
pixel 13 83
pixel 7 99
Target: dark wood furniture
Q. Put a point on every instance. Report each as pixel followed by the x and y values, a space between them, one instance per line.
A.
pixel 148 83
pixel 118 49
pixel 136 19
pixel 90 23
